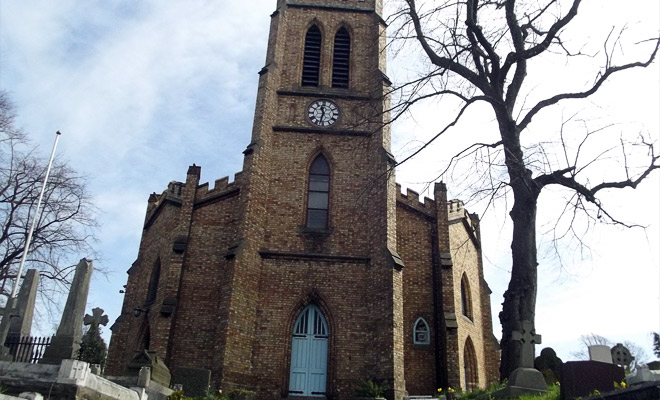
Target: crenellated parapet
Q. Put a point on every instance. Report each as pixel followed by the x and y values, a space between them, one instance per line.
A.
pixel 222 189
pixel 411 199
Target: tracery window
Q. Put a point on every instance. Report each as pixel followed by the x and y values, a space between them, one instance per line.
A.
pixel 341 59
pixel 312 57
pixel 318 194
pixel 421 332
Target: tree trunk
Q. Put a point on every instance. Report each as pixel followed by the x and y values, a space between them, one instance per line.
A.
pixel 520 297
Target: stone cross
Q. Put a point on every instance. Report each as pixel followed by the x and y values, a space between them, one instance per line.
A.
pixel 97 318
pixel 528 338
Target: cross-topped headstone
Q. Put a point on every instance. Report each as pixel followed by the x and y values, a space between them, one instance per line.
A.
pixel 528 338
pixel 97 318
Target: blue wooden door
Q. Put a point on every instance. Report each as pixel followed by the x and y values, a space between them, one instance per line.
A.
pixel 309 354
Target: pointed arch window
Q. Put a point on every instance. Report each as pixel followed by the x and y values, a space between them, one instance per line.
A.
pixel 341 59
pixel 312 57
pixel 318 194
pixel 470 372
pixel 152 290
pixel 466 297
pixel 421 332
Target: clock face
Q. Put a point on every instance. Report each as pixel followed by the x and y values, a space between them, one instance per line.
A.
pixel 323 113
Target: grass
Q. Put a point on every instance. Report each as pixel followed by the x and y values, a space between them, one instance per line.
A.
pixel 551 394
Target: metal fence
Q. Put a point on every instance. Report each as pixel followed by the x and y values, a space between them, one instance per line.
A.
pixel 27 349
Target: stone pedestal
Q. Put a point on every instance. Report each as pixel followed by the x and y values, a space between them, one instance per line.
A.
pixel 523 381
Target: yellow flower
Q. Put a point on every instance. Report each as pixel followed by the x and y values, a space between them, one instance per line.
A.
pixel 439 390
pixel 623 385
pixel 450 390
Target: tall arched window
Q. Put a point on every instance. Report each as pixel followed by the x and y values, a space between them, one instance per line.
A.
pixel 152 290
pixel 466 297
pixel 312 57
pixel 470 372
pixel 341 58
pixel 318 194
pixel 421 332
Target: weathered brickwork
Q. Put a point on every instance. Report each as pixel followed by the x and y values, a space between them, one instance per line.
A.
pixel 237 264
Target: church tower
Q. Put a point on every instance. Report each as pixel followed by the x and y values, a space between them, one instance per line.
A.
pixel 320 221
pixel 290 280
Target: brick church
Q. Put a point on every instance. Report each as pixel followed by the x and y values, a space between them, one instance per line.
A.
pixel 311 271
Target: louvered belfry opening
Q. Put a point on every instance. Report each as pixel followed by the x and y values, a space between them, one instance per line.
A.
pixel 312 57
pixel 341 57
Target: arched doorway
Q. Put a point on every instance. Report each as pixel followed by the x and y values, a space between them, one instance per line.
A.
pixel 309 354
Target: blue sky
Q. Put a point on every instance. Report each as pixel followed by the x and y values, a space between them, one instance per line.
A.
pixel 141 90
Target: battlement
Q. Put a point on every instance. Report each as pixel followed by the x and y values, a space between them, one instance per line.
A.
pixel 220 186
pixel 411 198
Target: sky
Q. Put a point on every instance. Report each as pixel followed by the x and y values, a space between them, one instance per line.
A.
pixel 141 90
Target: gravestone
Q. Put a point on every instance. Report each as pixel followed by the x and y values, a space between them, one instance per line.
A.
pixel 195 381
pixel 621 356
pixel 600 353
pixel 22 326
pixel 18 313
pixel 549 365
pixel 145 358
pixel 97 318
pixel 66 342
pixel 643 375
pixel 580 378
pixel 92 347
pixel 525 379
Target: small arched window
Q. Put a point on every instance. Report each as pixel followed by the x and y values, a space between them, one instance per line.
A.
pixel 470 372
pixel 152 290
pixel 421 332
pixel 466 297
pixel 312 57
pixel 318 194
pixel 341 59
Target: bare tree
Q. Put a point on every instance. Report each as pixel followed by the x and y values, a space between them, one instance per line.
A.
pixel 482 52
pixel 66 222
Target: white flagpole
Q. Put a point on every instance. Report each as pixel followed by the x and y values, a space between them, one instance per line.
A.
pixel 34 220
